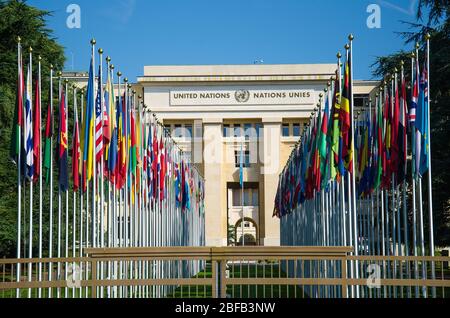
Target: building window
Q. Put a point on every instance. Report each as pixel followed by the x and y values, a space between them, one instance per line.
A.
pixel 226 130
pixel 285 130
pixel 255 201
pixel 259 130
pixel 249 196
pixel 237 130
pixel 188 131
pixel 296 130
pixel 360 100
pixel 248 131
pixel 237 197
pixel 246 160
pixel 178 132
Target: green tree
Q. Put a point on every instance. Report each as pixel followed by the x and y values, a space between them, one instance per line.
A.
pixel 19 19
pixel 437 23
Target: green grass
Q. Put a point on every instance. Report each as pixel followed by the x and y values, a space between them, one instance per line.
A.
pixel 243 291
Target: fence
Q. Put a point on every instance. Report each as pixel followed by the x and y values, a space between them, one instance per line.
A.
pixel 233 272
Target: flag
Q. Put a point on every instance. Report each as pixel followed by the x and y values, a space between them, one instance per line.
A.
pixel 162 169
pixel 323 142
pixel 28 129
pixel 133 150
pixel 62 145
pixel 241 167
pixel 48 147
pixel 415 94
pixel 88 125
pixel 98 122
pixel 402 138
pixel 335 131
pixel 18 115
pixel 394 134
pixel 37 133
pixel 155 160
pixel 178 193
pixel 345 117
pixel 76 155
pixel 422 137
pixel 380 148
pixel 108 111
pixel 121 166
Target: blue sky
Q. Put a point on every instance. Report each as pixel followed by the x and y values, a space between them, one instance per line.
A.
pixel 149 32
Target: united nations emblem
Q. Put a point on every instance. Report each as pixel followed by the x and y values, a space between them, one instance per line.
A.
pixel 242 96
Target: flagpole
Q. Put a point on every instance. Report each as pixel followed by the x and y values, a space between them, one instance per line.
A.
pixel 102 199
pixel 30 230
pixel 80 189
pixel 353 186
pixel 82 198
pixel 393 206
pixel 75 144
pixel 50 244
pixel 40 176
pixel 413 180
pixel 59 200
pixel 108 180
pixel 94 163
pixel 242 193
pixel 19 161
pixel 404 138
pixel 120 208
pixel 430 184
pixel 66 240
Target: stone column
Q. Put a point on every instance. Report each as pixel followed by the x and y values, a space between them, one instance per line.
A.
pixel 215 204
pixel 270 169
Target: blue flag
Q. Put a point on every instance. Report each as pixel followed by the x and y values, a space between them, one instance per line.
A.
pixel 421 123
pixel 241 168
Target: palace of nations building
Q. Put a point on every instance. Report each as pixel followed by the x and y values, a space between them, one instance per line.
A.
pixel 212 111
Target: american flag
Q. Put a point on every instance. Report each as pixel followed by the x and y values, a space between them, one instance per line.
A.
pixel 98 122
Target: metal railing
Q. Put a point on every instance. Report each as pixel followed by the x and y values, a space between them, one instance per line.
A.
pixel 233 272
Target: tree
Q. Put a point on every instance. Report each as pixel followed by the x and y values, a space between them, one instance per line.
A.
pixel 19 19
pixel 438 24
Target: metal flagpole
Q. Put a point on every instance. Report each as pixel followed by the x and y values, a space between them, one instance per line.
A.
pixel 393 206
pixel 82 202
pixel 94 164
pixel 353 186
pixel 19 161
pixel 405 211
pixel 430 185
pixel 40 176
pixel 413 179
pixel 74 88
pixel 242 191
pixel 59 203
pixel 50 240
pixel 30 230
pixel 102 199
pixel 66 241
pixel 127 201
pixel 108 182
pixel 119 208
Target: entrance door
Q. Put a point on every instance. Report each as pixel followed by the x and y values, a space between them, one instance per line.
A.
pixel 243 204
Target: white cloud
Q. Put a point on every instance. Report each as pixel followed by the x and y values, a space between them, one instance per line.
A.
pixel 406 10
pixel 120 10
